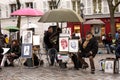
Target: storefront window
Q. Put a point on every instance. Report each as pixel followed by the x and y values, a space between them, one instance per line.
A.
pixel 117 26
pixel 77 28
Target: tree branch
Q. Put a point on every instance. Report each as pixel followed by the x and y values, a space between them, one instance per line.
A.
pixel 57 4
pixel 116 5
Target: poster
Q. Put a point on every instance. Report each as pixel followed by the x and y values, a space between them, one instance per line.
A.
pixel 27 37
pixel 73 45
pixel 63 44
pixel 26 50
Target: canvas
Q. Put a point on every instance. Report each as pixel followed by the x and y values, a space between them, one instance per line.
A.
pixel 27 37
pixel 36 40
pixel 26 50
pixel 73 45
pixel 63 44
pixel 109 66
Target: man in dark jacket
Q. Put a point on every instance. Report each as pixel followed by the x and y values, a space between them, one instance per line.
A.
pixel 89 48
pixel 47 35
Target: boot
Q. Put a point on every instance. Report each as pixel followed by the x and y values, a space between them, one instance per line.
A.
pixel 92 71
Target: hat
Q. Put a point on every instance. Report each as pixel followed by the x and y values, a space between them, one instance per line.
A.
pixel 89 33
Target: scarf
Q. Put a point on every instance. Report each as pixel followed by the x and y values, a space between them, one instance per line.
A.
pixel 86 41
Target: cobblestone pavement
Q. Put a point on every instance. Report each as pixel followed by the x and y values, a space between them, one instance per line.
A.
pixel 46 72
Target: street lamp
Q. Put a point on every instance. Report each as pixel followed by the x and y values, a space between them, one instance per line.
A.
pixel 82 15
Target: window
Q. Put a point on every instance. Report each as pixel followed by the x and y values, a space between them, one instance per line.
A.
pixel 116 1
pixel 13 7
pixel 97 6
pixel 0 12
pixel 76 6
pixel 29 4
pixel 105 8
pixel 7 11
pixel 45 6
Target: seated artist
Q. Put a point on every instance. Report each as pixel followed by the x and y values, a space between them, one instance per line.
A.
pixel 13 53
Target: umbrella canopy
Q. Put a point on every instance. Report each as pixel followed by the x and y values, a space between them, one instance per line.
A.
pixel 30 25
pixel 11 28
pixel 27 12
pixel 60 15
pixel 94 21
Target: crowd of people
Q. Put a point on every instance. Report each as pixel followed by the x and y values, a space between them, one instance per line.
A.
pixel 88 48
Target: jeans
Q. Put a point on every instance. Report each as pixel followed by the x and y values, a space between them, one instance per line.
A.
pixel 52 53
pixel 110 48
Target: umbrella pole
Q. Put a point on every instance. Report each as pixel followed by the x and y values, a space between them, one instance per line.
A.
pixel 28 21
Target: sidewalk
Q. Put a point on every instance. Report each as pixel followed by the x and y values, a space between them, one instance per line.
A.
pixel 55 73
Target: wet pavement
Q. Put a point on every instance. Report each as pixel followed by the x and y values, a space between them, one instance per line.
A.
pixel 47 72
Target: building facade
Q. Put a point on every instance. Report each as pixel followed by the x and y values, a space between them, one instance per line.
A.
pixel 93 9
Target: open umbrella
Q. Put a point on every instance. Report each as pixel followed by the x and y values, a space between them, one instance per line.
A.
pixel 60 15
pixel 94 21
pixel 11 28
pixel 27 12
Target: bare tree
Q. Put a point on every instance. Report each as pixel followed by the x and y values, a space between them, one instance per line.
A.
pixel 112 8
pixel 19 18
pixel 55 5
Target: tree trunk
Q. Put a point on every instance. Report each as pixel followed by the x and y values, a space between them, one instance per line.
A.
pixel 19 19
pixel 112 24
pixel 112 20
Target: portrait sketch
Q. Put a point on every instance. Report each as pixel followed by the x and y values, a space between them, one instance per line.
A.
pixel 27 37
pixel 109 66
pixel 63 44
pixel 26 50
pixel 73 45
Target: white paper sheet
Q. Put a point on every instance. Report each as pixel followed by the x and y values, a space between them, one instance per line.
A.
pixel 5 50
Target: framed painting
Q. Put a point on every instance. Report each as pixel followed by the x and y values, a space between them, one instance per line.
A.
pixel 73 45
pixel 63 44
pixel 109 66
pixel 27 37
pixel 26 50
pixel 36 40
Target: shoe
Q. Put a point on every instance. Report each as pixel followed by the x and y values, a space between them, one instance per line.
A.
pixel 76 68
pixel 93 71
pixel 84 66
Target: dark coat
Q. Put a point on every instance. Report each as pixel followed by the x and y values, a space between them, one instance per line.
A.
pixel 1 50
pixel 47 40
pixel 91 46
pixel 16 49
pixel 117 51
